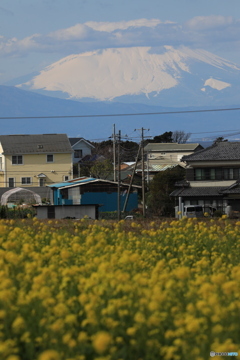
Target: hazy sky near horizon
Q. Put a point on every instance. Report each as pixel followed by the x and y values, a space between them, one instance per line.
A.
pixel 36 33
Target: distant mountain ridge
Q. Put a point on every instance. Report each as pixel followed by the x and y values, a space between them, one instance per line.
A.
pixel 15 102
pixel 154 76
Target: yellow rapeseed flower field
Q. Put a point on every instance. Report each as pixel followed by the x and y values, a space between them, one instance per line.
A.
pixel 99 290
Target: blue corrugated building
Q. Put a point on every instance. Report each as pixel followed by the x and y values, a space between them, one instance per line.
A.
pixel 87 190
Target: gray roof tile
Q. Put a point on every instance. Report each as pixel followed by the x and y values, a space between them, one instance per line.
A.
pixel 171 147
pixel 199 191
pixel 42 143
pixel 74 140
pixel 221 151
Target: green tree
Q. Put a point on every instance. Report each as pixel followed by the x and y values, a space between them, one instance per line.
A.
pixel 164 138
pixel 101 169
pixel 177 136
pixel 180 137
pixel 159 201
pixel 219 139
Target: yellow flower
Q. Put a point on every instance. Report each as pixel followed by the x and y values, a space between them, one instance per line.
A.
pixel 139 317
pixel 49 355
pixel 131 331
pixel 193 325
pixel 18 324
pixel 102 341
pixel 58 325
pixel 182 272
pixel 82 337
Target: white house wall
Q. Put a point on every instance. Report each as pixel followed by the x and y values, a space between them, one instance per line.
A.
pixel 86 150
pixel 211 183
pixel 167 156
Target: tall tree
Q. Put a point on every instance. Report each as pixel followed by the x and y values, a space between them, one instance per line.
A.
pixel 177 136
pixel 180 137
pixel 101 169
pixel 163 138
pixel 158 200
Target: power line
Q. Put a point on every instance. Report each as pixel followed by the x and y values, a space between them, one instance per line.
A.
pixel 116 115
pixel 214 132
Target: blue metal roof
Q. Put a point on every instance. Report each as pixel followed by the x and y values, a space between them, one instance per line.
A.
pixel 72 182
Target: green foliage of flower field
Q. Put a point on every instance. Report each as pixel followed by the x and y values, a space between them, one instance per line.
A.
pixel 104 290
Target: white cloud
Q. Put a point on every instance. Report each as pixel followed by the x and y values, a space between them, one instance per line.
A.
pixel 209 22
pixel 207 32
pixel 79 32
pixel 123 25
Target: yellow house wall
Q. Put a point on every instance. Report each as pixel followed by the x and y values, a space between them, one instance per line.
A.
pixel 34 165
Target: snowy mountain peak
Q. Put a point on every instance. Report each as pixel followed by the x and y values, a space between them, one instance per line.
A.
pixel 112 73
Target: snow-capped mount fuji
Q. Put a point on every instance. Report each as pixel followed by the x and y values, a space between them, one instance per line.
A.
pixel 155 76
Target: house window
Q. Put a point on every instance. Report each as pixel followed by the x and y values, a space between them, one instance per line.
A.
pixel 205 174
pixel 11 182
pixel 228 174
pixel 17 160
pixel 50 158
pixel 236 174
pixel 78 154
pixel 217 174
pixel 65 178
pixel 0 163
pixel 41 182
pixel 26 180
pixel 198 174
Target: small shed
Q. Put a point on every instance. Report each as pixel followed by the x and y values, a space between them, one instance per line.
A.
pixel 87 190
pixel 67 211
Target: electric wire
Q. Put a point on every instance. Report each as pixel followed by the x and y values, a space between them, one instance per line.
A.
pixel 117 115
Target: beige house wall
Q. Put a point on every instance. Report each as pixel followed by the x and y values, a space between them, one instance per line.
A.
pixel 32 166
pixel 174 157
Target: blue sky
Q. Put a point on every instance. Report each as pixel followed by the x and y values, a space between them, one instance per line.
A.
pixel 36 33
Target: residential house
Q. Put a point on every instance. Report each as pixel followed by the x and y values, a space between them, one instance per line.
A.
pixel 169 153
pixel 34 160
pixel 86 190
pixel 81 148
pixel 212 178
pixel 163 156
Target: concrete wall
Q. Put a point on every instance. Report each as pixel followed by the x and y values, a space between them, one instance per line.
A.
pixel 66 211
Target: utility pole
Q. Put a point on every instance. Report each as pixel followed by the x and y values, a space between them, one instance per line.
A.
pixel 143 171
pixel 119 177
pixel 114 153
pixel 130 185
